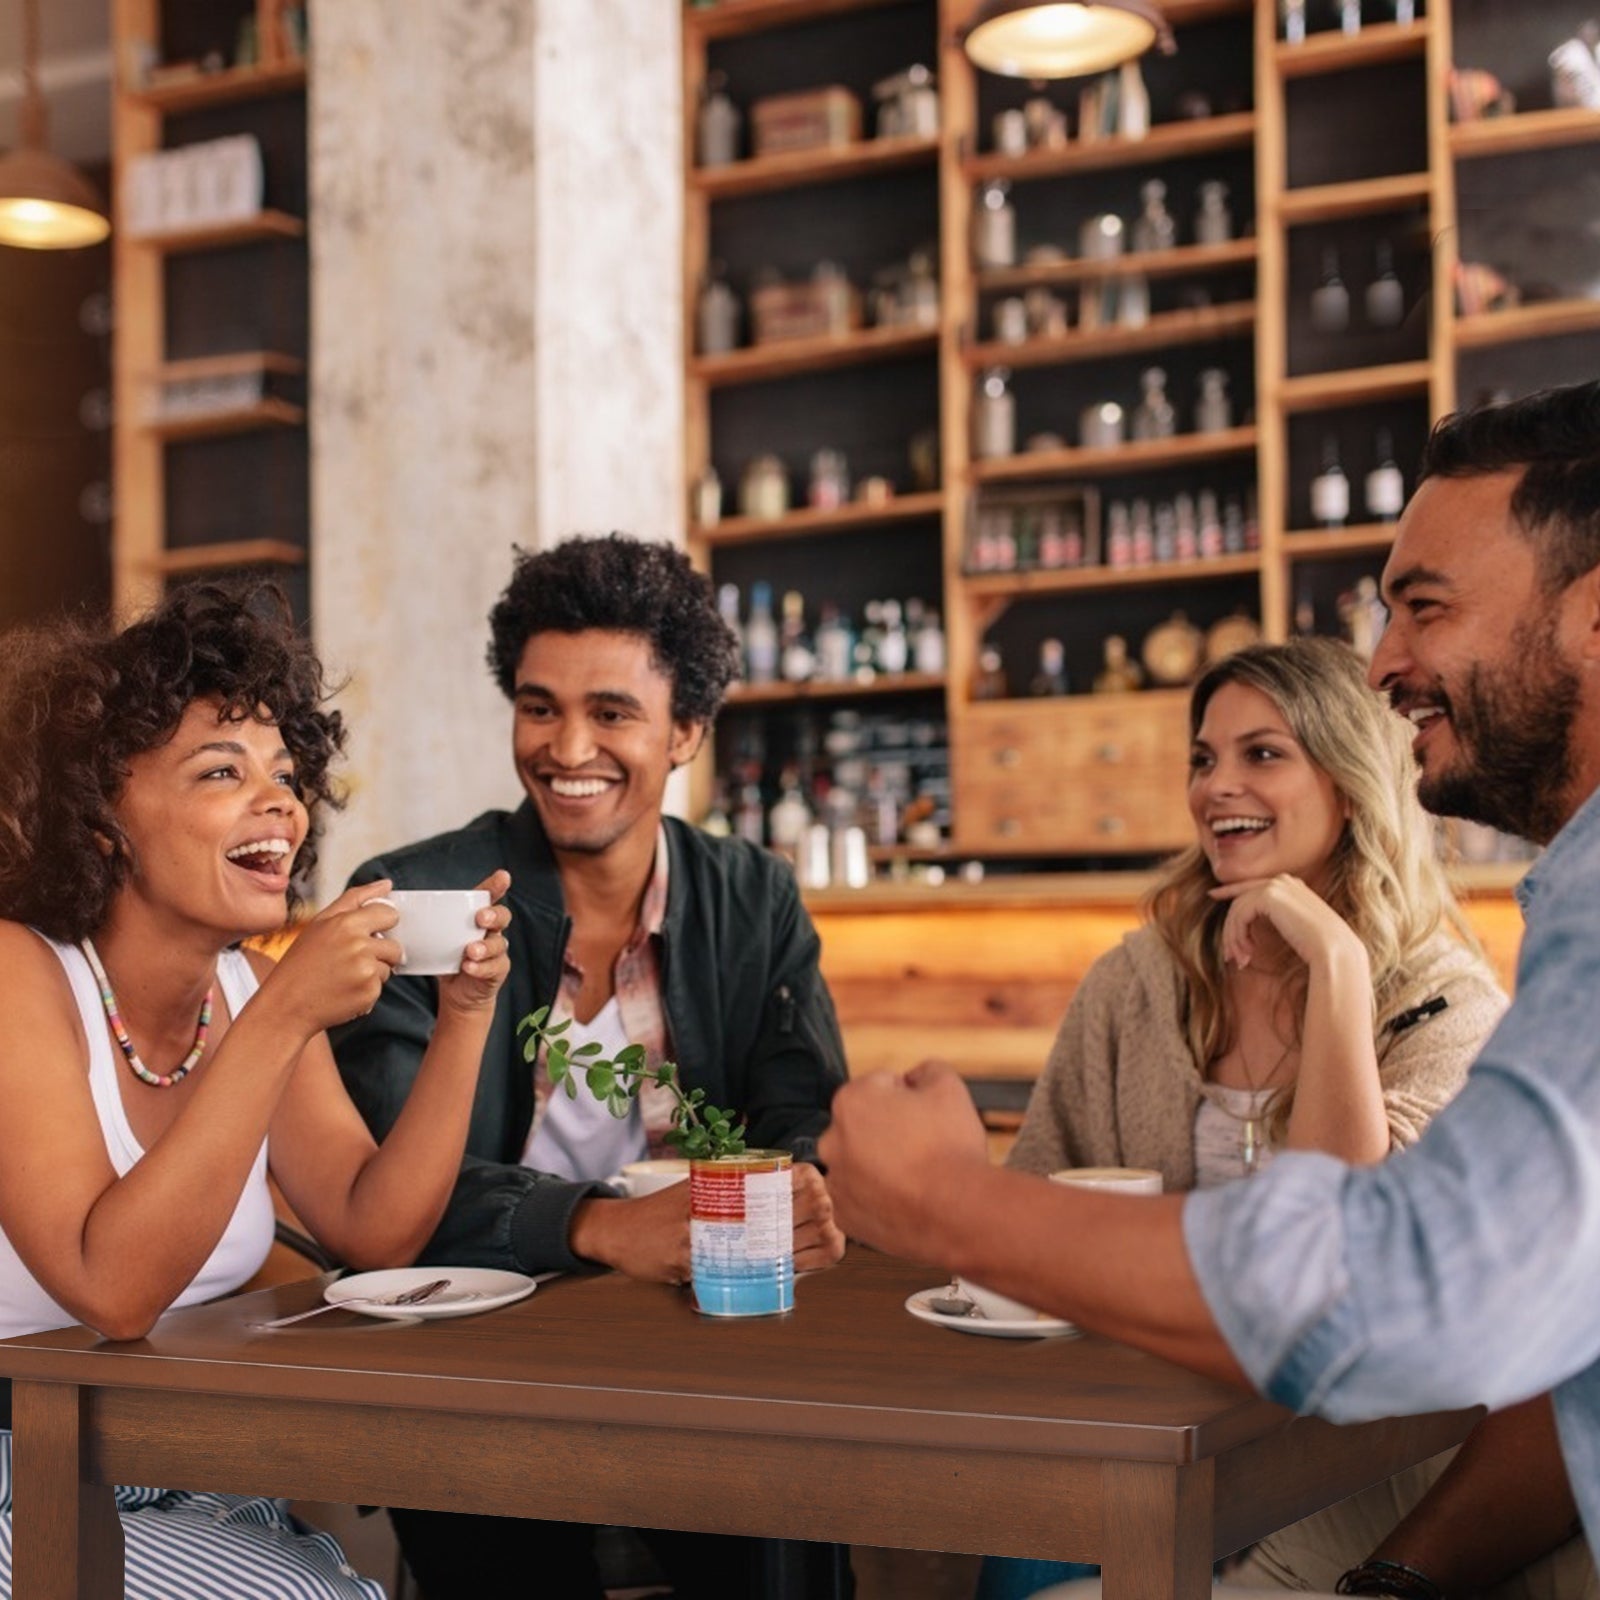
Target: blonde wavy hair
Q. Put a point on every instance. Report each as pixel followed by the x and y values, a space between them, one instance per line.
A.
pixel 1385 879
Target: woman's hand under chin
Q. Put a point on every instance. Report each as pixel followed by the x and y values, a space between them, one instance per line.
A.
pixel 1300 917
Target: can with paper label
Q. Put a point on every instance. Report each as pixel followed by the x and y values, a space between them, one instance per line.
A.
pixel 741 1233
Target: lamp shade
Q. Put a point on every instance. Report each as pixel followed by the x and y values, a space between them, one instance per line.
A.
pixel 1062 38
pixel 47 204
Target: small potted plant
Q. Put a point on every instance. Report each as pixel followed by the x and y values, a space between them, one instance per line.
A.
pixel 741 1211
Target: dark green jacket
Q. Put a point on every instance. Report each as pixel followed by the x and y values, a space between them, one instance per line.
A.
pixel 749 1020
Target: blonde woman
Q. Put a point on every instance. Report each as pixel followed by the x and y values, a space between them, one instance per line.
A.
pixel 1304 980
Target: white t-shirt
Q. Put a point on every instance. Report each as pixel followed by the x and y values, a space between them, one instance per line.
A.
pixel 24 1305
pixel 578 1138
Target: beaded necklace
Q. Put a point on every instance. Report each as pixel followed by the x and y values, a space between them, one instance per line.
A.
pixel 108 999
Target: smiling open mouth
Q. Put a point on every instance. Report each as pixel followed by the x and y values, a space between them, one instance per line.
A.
pixel 578 788
pixel 1236 827
pixel 267 856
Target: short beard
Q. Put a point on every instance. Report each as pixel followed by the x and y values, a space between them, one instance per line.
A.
pixel 1513 724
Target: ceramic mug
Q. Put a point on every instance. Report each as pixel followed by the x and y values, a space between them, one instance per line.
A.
pixel 435 927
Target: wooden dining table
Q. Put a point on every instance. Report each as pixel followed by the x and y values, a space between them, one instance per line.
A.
pixel 599 1399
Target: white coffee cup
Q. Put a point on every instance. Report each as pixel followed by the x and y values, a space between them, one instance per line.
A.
pixel 640 1178
pixel 995 1306
pixel 435 927
pixel 1121 1180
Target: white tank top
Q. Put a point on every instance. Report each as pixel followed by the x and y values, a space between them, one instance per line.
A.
pixel 24 1305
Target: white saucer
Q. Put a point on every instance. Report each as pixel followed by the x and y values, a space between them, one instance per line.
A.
pixel 1039 1327
pixel 471 1289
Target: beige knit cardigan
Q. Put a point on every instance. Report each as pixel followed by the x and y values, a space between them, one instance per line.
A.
pixel 1121 1087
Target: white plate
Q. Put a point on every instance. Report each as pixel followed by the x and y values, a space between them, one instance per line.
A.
pixel 1040 1327
pixel 471 1289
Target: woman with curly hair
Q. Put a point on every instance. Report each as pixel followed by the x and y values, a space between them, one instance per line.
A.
pixel 156 802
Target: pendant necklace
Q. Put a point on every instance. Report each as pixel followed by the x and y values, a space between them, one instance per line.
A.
pixel 108 999
pixel 1252 1134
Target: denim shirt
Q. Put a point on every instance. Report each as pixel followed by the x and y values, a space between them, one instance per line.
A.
pixel 1465 1270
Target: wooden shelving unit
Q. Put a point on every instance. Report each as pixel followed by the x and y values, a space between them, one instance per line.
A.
pixel 1163 331
pixel 790 357
pixel 152 489
pixel 810 524
pixel 1189 260
pixel 1386 177
pixel 776 694
pixel 1169 141
pixel 1138 455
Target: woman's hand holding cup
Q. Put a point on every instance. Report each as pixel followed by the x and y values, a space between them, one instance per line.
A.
pixel 336 967
pixel 485 963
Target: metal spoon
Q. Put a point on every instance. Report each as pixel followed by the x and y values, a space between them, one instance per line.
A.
pixel 409 1297
pixel 953 1303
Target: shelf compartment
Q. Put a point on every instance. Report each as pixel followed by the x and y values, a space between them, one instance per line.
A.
pixel 1364 538
pixel 223 88
pixel 1527 130
pixel 1543 320
pixel 227 366
pixel 1141 455
pixel 779 694
pixel 264 225
pixel 807 523
pixel 1167 141
pixel 795 169
pixel 1188 258
pixel 1337 52
pixel 1068 580
pixel 268 413
pixel 229 553
pixel 1326 391
pixel 785 358
pixel 734 18
pixel 1328 202
pixel 1164 329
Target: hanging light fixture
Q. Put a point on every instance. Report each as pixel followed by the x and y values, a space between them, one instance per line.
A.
pixel 45 202
pixel 1062 38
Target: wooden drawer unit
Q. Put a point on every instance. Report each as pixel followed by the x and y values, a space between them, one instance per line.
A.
pixel 1098 776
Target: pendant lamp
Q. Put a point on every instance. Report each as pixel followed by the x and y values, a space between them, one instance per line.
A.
pixel 45 202
pixel 1062 38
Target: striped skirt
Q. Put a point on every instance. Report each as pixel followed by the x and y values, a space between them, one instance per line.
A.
pixel 183 1546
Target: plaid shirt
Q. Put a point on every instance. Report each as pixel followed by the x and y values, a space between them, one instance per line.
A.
pixel 636 981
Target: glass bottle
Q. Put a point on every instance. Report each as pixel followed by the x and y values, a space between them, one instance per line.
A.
pixel 790 816
pixel 1052 538
pixel 1385 488
pixel 749 816
pixel 1213 221
pixel 1153 228
pixel 1330 489
pixel 1293 15
pixel 761 637
pixel 1117 675
pixel 928 653
pixel 1213 411
pixel 994 416
pixel 1209 532
pixel 1142 538
pixel 706 509
pixel 989 681
pixel 829 485
pixel 764 488
pixel 894 648
pixel 717 123
pixel 1166 534
pixel 797 661
pixel 728 610
pixel 1350 16
pixel 716 314
pixel 834 642
pixel 1154 417
pixel 994 226
pixel 1187 534
pixel 716 821
pixel 1051 678
pixel 1133 102
pixel 1119 536
pixel 1330 300
pixel 1232 527
pixel 1385 297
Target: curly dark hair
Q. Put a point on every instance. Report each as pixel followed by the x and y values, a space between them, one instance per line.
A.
pixel 631 586
pixel 78 701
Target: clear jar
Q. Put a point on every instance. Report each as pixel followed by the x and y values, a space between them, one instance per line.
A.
pixel 1213 221
pixel 994 416
pixel 829 487
pixel 1213 411
pixel 994 226
pixel 1155 417
pixel 717 124
pixel 764 488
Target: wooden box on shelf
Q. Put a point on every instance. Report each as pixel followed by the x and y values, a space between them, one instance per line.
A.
pixel 810 119
pixel 1092 775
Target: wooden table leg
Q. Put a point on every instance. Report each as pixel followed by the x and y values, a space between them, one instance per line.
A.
pixel 66 1539
pixel 1157 1535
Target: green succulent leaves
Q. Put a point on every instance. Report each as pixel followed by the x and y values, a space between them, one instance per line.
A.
pixel 699 1131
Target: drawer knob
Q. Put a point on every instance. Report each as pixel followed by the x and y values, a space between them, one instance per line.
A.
pixel 1111 825
pixel 1109 753
pixel 1008 827
pixel 1009 756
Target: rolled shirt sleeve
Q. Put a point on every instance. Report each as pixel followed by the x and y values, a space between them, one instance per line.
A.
pixel 1464 1270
